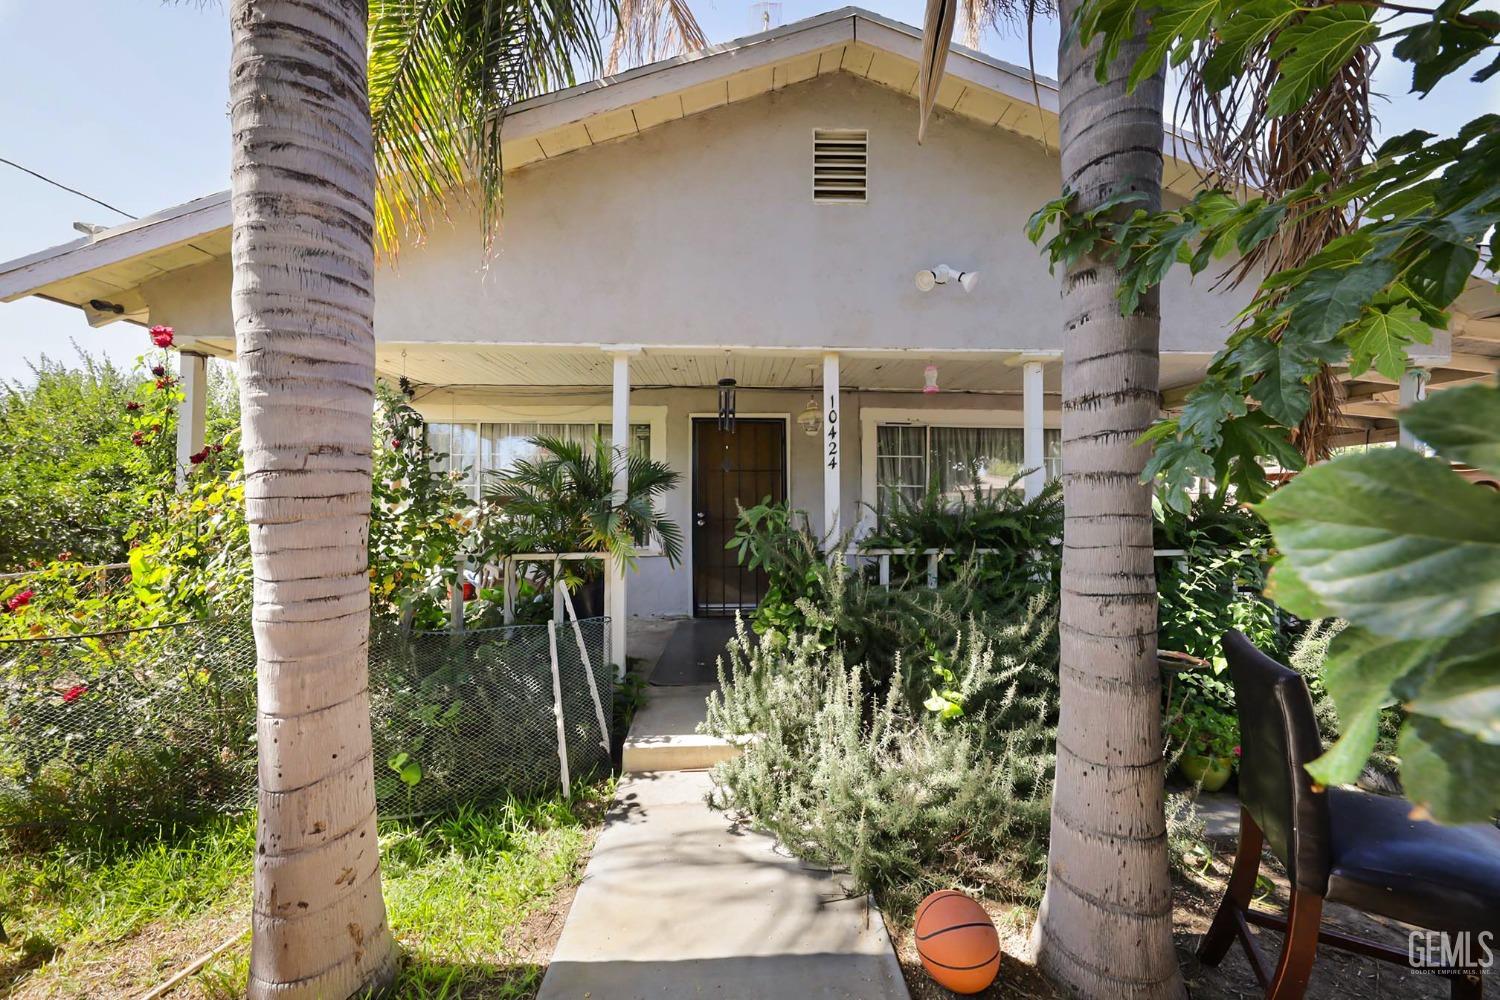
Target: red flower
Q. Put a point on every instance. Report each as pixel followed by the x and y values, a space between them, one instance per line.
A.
pixel 75 692
pixel 218 448
pixel 158 370
pixel 161 336
pixel 395 442
pixel 1236 751
pixel 468 591
pixel 164 383
pixel 132 406
pixel 137 439
pixel 197 459
pixel 19 601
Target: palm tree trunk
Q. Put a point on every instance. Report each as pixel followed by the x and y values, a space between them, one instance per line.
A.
pixel 1105 927
pixel 303 188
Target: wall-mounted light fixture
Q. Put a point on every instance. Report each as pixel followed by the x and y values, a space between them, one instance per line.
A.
pixel 942 275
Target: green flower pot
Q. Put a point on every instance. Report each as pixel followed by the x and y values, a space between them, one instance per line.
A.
pixel 1210 772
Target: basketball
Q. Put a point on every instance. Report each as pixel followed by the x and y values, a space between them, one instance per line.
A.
pixel 959 945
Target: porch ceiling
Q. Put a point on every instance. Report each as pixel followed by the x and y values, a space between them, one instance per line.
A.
pixel 454 366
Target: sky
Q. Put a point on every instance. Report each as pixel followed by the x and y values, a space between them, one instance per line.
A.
pixel 126 100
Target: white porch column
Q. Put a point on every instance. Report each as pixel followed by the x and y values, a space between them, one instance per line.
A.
pixel 1413 389
pixel 194 413
pixel 614 580
pixel 1033 440
pixel 833 456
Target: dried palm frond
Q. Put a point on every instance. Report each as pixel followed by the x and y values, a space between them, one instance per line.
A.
pixel 648 30
pixel 975 17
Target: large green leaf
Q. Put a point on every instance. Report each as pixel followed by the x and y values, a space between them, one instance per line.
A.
pixel 1461 686
pixel 1462 424
pixel 1328 299
pixel 1312 50
pixel 1389 540
pixel 1251 24
pixel 1381 338
pixel 1174 24
pixel 1449 773
pixel 1359 672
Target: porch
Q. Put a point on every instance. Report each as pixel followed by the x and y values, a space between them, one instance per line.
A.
pixel 828 431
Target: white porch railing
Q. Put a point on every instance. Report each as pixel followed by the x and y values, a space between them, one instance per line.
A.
pixel 934 556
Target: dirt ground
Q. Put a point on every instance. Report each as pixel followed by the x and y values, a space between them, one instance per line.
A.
pixel 1337 975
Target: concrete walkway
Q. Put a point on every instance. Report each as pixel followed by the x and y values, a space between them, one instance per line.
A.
pixel 678 901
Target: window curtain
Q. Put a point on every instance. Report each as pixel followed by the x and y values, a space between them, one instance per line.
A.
pixel 481 449
pixel 908 458
pixel 963 458
pixel 900 464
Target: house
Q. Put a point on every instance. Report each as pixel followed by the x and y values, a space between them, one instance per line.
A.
pixel 759 211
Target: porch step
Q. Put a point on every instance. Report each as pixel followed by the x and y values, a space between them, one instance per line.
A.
pixel 664 735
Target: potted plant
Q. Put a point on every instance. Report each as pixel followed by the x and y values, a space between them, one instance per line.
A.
pixel 1210 742
pixel 565 501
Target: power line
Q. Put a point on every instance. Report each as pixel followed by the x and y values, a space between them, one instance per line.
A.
pixel 56 184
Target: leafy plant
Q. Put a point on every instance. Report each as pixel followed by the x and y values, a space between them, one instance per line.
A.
pixel 565 501
pixel 774 539
pixel 1196 727
pixel 420 518
pixel 1214 584
pixel 72 480
pixel 1424 207
pixel 1012 541
pixel 851 776
pixel 1408 552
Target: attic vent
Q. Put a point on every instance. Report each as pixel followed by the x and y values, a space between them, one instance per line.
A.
pixel 840 164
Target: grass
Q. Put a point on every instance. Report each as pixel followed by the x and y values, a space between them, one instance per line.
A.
pixel 472 896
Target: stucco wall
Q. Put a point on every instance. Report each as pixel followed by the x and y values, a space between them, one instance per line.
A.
pixel 703 231
pixel 656 590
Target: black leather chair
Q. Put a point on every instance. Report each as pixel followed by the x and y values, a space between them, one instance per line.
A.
pixel 1343 845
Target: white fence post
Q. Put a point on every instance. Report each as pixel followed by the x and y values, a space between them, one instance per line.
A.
pixel 588 669
pixel 456 596
pixel 557 711
pixel 508 585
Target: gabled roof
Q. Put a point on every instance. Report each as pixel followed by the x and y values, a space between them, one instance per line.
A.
pixel 109 266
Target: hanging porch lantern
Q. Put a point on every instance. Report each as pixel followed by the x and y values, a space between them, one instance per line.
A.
pixel 726 404
pixel 811 417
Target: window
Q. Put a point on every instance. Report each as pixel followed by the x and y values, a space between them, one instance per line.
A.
pixel 482 448
pixel 908 457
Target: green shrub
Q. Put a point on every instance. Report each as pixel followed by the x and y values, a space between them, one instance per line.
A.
pixel 1023 534
pixel 126 733
pixel 856 777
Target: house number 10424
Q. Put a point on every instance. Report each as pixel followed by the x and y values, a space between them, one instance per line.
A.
pixel 831 421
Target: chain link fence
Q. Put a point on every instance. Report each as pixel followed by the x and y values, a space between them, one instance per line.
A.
pixel 138 728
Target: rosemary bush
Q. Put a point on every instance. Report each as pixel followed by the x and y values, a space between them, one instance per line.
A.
pixel 858 777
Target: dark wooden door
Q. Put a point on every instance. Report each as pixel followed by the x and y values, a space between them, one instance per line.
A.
pixel 731 469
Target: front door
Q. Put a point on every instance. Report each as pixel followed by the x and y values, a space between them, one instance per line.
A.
pixel 731 469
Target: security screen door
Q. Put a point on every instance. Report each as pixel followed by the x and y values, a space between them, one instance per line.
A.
pixel 731 469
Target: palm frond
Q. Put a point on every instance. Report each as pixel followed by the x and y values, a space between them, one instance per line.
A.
pixel 442 73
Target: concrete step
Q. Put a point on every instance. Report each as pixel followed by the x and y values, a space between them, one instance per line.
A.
pixel 664 735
